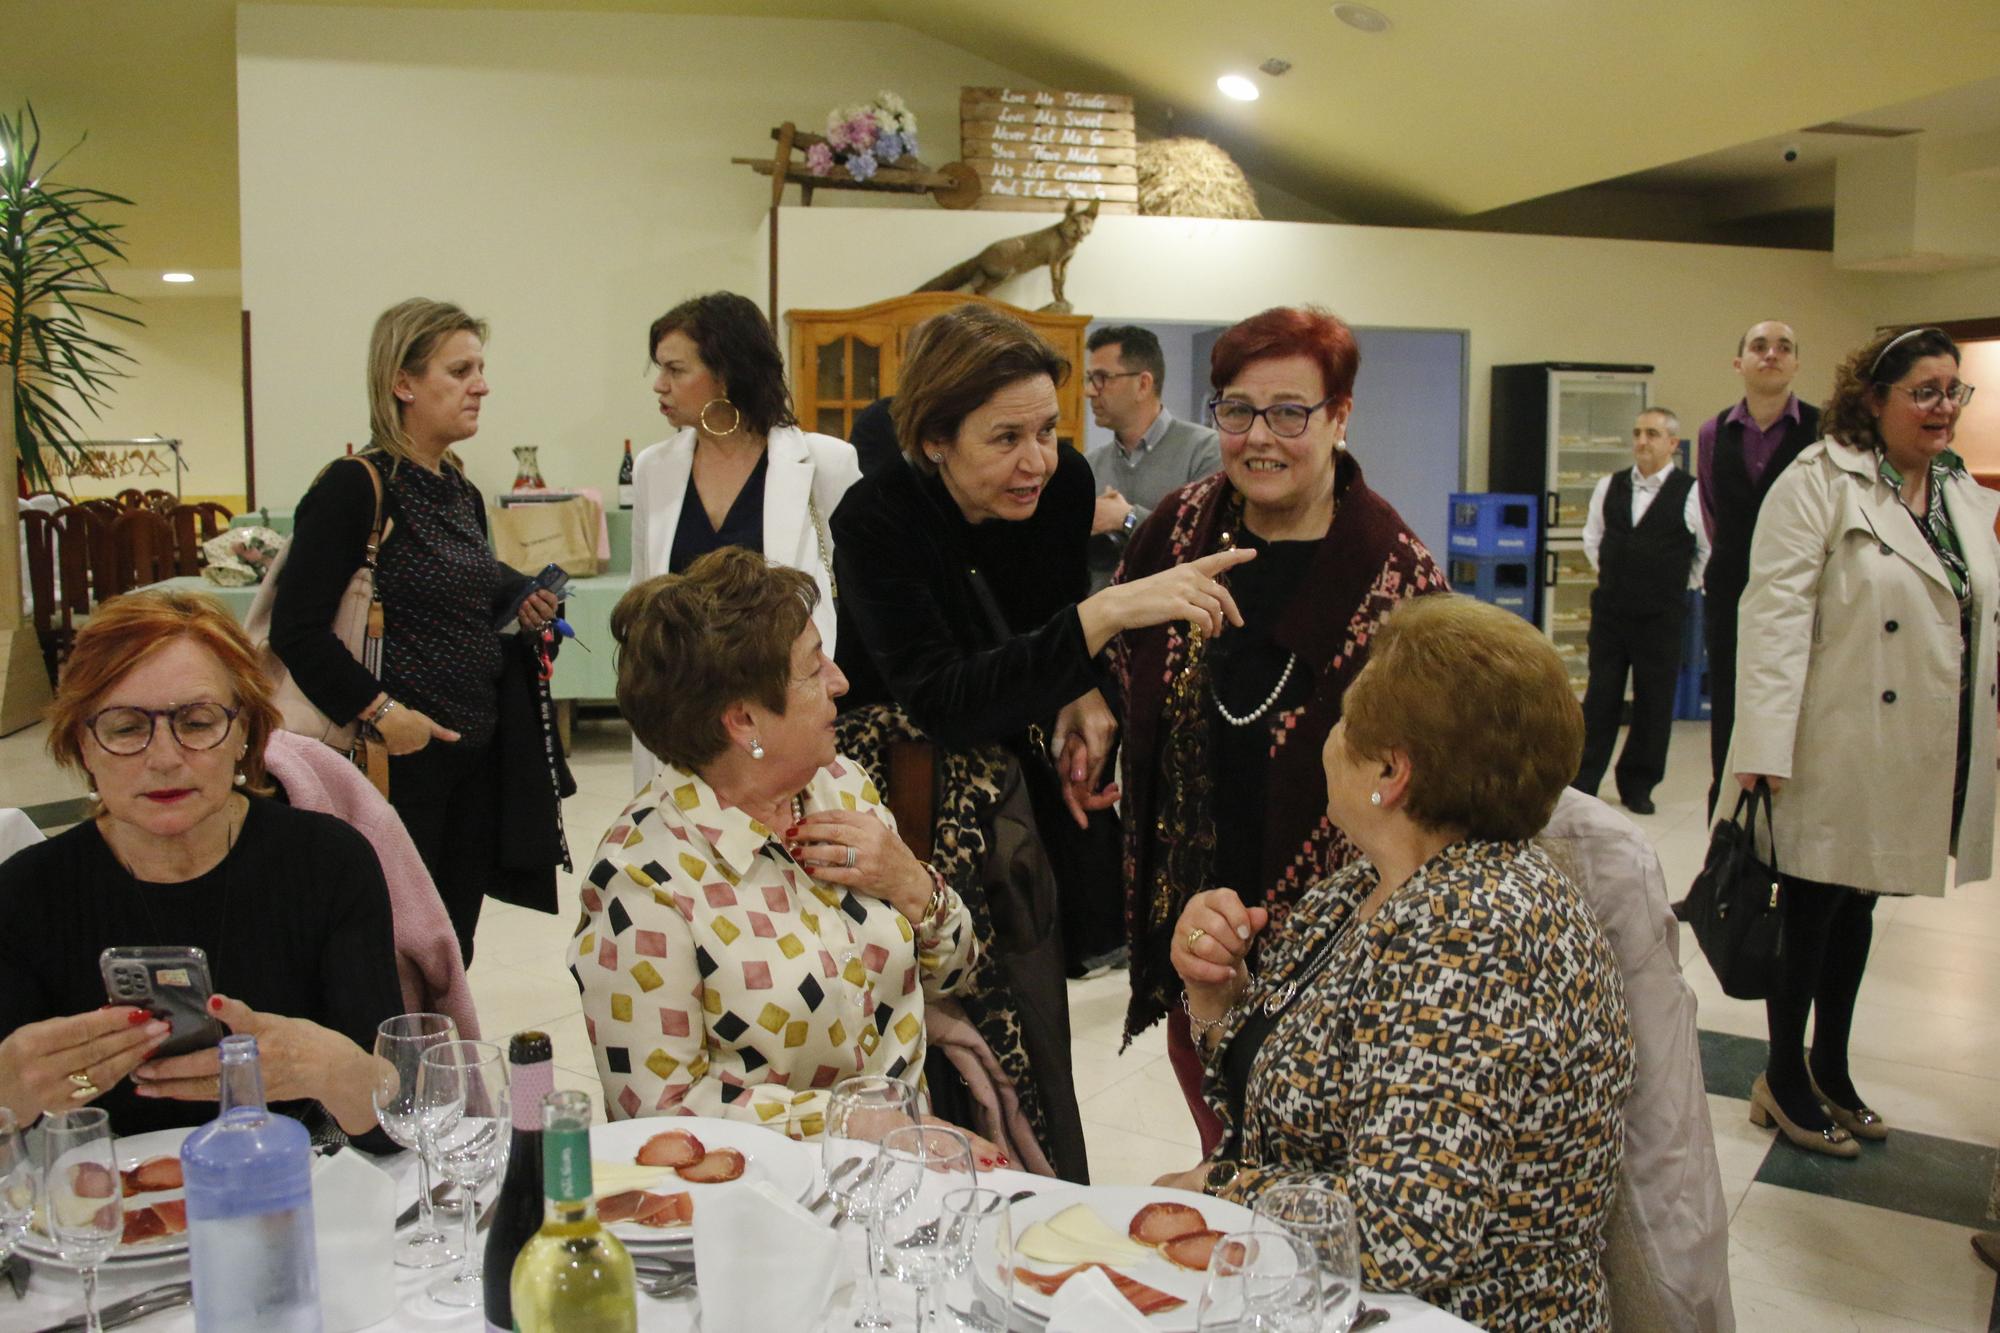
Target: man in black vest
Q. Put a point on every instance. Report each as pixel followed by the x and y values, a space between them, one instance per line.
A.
pixel 1645 538
pixel 1738 454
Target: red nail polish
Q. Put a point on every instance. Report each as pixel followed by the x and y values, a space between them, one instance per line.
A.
pixel 1005 1160
pixel 136 1017
pixel 215 1004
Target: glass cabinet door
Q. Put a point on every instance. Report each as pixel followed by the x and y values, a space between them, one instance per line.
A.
pixel 1593 427
pixel 1566 611
pixel 846 376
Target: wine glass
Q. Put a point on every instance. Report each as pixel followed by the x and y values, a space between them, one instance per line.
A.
pixel 400 1043
pixel 17 1184
pixel 466 1128
pixel 859 1113
pixel 978 1231
pixel 916 1167
pixel 1263 1281
pixel 1324 1219
pixel 82 1194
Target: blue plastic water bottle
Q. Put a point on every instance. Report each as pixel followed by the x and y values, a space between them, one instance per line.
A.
pixel 249 1208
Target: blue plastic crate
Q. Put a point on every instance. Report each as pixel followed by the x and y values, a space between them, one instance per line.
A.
pixel 1503 581
pixel 1691 702
pixel 1495 524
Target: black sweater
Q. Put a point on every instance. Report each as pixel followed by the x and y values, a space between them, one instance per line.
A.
pixel 913 630
pixel 295 921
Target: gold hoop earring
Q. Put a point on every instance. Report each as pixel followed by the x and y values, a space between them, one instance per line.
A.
pixel 734 426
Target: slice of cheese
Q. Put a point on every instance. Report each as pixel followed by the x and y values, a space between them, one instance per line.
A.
pixel 617 1177
pixel 1076 1235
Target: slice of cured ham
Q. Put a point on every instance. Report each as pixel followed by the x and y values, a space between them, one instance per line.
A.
pixel 142 1225
pixel 92 1180
pixel 1158 1223
pixel 1146 1300
pixel 152 1175
pixel 675 1148
pixel 1192 1250
pixel 666 1210
pixel 173 1215
pixel 622 1207
pixel 716 1166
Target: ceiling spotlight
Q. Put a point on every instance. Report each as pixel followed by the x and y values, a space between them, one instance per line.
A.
pixel 1362 18
pixel 1275 66
pixel 177 277
pixel 1238 87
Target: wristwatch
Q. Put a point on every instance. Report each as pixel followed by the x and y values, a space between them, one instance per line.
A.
pixel 1219 1175
pixel 1131 521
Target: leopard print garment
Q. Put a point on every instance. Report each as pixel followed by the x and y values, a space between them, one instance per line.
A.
pixel 1458 1067
pixel 968 793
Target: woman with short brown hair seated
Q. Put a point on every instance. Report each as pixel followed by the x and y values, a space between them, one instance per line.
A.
pixel 1453 1053
pixel 754 930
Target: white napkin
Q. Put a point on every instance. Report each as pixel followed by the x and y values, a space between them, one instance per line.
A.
pixel 1088 1303
pixel 354 1232
pixel 761 1261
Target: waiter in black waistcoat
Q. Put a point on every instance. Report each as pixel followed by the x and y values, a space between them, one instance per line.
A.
pixel 1738 454
pixel 1644 537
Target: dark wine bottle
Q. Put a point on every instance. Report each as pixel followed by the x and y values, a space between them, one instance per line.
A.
pixel 517 1209
pixel 625 479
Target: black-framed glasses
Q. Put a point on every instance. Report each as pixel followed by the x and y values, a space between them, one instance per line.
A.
pixel 1287 421
pixel 200 726
pixel 1927 396
pixel 1097 379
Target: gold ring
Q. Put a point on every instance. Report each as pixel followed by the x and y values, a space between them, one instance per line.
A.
pixel 82 1088
pixel 1194 937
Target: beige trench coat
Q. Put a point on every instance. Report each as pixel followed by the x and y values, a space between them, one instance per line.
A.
pixel 1847 677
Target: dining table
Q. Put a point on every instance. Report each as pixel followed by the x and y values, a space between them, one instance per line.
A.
pixel 55 1293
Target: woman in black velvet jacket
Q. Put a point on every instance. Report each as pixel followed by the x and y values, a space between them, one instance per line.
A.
pixel 961 579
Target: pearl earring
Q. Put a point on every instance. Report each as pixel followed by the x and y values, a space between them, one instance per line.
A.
pixel 756 749
pixel 934 457
pixel 1374 798
pixel 242 778
pixel 91 794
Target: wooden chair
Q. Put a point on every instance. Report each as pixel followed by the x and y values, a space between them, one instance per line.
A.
pixel 131 498
pixel 108 510
pixel 142 552
pixel 35 495
pixel 66 551
pixel 194 524
pixel 161 502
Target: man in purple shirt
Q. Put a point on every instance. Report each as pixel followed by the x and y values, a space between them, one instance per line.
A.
pixel 1739 452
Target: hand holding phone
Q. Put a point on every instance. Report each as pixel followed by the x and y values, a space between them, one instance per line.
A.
pixel 170 982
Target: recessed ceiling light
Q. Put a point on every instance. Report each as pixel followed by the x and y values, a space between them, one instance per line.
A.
pixel 177 277
pixel 1362 18
pixel 1238 87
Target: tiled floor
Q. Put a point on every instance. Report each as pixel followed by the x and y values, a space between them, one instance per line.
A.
pixel 1883 1247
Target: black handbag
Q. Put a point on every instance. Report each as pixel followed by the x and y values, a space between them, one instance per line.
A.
pixel 1737 903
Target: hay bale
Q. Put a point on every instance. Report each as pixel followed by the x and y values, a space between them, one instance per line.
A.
pixel 1192 178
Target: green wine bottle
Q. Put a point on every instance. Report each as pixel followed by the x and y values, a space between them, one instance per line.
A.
pixel 573 1276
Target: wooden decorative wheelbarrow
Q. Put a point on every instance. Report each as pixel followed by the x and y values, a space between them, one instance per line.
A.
pixel 954 185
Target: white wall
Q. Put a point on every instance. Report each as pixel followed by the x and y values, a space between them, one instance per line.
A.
pixel 1522 298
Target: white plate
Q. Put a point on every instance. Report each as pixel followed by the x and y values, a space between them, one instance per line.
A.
pixel 787 1166
pixel 1115 1206
pixel 131 1152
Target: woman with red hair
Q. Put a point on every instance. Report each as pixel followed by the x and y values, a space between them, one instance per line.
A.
pixel 1222 780
pixel 163 708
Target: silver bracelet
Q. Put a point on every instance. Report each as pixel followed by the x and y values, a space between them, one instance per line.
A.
pixel 375 717
pixel 1199 1028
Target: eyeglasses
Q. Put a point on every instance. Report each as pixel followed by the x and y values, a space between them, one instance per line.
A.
pixel 201 726
pixel 1927 396
pixel 1287 421
pixel 1097 379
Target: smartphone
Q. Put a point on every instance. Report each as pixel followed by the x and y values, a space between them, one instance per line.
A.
pixel 553 577
pixel 170 982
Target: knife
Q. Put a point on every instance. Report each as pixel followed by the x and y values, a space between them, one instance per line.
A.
pixel 121 1313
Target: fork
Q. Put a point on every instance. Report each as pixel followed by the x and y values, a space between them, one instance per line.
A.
pixel 665 1286
pixel 840 1172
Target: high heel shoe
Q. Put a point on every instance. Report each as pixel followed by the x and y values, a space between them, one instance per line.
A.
pixel 1834 1141
pixel 1861 1122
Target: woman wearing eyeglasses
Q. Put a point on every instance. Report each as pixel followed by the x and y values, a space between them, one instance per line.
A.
pixel 1222 782
pixel 163 708
pixel 1865 695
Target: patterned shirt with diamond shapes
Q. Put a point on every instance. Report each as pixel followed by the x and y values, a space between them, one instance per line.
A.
pixel 720 979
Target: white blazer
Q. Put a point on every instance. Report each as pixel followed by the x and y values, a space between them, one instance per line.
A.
pixel 803 482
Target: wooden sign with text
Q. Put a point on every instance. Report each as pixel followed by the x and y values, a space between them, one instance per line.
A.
pixel 1036 150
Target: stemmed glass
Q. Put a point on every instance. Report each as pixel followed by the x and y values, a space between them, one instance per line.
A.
pixel 1324 1219
pixel 859 1113
pixel 82 1194
pixel 17 1184
pixel 400 1042
pixel 1263 1281
pixel 978 1233
pixel 465 1117
pixel 917 1164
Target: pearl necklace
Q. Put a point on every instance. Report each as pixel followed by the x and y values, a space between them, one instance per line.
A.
pixel 1270 699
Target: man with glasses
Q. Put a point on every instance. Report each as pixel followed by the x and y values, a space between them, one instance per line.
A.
pixel 1738 454
pixel 1151 453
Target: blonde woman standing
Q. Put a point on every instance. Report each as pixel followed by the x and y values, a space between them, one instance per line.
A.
pixel 437 703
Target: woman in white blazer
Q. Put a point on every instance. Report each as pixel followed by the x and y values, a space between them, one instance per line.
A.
pixel 738 471
pixel 1865 692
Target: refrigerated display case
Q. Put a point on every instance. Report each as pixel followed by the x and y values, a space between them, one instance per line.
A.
pixel 1568 581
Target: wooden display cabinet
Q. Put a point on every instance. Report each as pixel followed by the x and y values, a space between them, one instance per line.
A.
pixel 843 360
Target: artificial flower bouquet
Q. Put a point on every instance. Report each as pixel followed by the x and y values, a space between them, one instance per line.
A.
pixel 866 137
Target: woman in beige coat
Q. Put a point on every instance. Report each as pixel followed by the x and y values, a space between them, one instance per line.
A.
pixel 1865 693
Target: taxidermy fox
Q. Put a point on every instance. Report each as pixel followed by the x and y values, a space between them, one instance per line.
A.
pixel 1017 254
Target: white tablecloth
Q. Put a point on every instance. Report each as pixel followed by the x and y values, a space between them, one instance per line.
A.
pixel 55 1294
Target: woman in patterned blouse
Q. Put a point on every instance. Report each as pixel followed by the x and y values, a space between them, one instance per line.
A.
pixel 1451 1053
pixel 753 928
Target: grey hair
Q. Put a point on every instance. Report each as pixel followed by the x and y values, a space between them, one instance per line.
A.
pixel 1672 418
